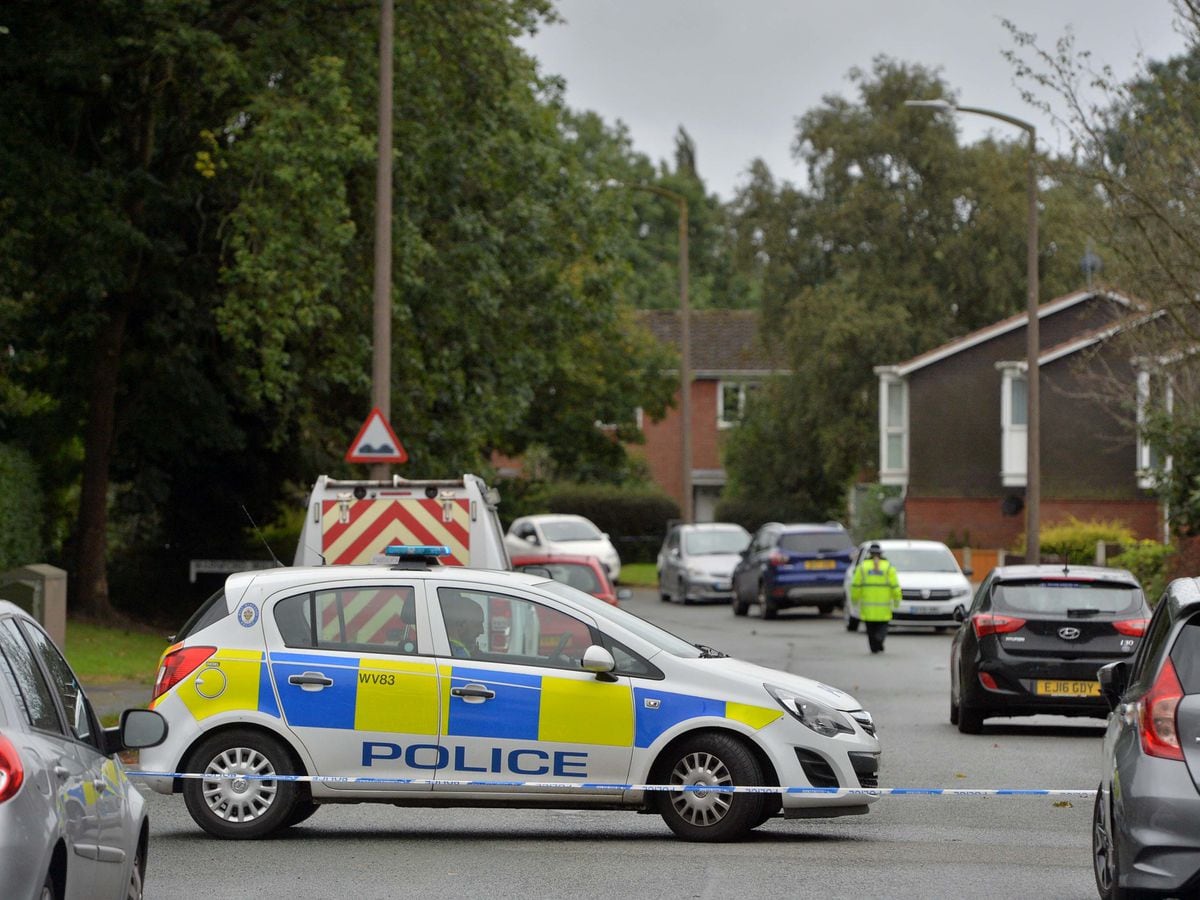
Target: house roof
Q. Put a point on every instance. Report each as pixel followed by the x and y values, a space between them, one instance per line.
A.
pixel 1084 340
pixel 723 341
pixel 996 329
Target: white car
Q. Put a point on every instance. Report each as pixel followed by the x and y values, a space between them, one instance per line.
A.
pixel 429 685
pixel 556 534
pixel 932 584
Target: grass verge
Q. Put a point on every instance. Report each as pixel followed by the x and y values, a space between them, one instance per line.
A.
pixel 103 654
pixel 639 575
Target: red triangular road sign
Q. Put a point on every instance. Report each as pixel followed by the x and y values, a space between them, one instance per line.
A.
pixel 376 442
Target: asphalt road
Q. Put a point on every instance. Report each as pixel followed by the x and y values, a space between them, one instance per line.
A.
pixel 924 847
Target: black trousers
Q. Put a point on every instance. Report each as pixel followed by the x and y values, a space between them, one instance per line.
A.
pixel 876 635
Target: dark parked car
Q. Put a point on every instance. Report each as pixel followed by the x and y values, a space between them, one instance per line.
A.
pixel 1145 839
pixel 792 565
pixel 1035 637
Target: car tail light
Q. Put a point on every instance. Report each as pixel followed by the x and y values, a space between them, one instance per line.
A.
pixel 778 559
pixel 1131 627
pixel 1156 715
pixel 12 773
pixel 177 665
pixel 987 623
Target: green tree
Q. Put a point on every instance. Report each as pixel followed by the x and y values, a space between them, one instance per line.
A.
pixel 903 240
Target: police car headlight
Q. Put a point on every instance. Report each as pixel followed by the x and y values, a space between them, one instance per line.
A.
pixel 824 720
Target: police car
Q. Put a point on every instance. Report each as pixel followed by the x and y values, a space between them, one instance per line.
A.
pixel 418 684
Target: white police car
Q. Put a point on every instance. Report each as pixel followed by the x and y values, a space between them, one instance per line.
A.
pixel 423 685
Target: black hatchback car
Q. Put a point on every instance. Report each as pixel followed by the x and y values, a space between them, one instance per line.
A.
pixel 1145 837
pixel 1035 637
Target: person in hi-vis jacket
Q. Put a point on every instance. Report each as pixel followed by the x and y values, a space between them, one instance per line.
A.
pixel 875 589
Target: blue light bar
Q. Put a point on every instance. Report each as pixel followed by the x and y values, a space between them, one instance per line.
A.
pixel 417 550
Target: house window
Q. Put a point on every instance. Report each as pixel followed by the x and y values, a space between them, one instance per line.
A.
pixel 1014 427
pixel 893 430
pixel 1154 394
pixel 732 397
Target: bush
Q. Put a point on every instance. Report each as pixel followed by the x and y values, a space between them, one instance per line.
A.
pixel 635 518
pixel 1075 542
pixel 1148 560
pixel 21 505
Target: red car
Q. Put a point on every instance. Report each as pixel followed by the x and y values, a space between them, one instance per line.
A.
pixel 583 572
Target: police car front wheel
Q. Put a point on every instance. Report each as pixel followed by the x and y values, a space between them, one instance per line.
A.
pixel 720 760
pixel 237 798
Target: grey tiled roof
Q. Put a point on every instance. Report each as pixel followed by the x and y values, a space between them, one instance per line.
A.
pixel 723 340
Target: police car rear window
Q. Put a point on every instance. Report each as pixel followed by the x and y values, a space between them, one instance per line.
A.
pixel 211 611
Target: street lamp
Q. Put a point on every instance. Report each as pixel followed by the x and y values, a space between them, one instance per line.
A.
pixel 1033 478
pixel 685 343
pixel 381 357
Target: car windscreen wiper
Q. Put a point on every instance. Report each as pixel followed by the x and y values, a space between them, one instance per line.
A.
pixel 709 653
pixel 1082 613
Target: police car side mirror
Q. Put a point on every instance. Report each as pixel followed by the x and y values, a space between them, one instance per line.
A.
pixel 598 660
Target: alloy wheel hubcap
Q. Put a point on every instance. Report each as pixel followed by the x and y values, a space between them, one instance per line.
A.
pixel 1102 850
pixel 230 795
pixel 701 807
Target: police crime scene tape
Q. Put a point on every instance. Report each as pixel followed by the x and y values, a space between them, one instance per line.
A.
pixel 600 786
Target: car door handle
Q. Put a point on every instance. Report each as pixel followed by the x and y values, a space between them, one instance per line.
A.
pixel 311 680
pixel 473 692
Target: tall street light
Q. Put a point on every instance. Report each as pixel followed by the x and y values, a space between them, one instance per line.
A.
pixel 1033 476
pixel 685 344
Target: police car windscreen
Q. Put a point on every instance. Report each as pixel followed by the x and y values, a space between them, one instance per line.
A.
pixel 815 542
pixel 1068 598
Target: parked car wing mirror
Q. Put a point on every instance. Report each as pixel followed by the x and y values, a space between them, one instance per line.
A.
pixel 139 728
pixel 968 572
pixel 624 594
pixel 1114 678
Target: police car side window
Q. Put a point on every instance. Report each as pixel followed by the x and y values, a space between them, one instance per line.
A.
pixel 371 619
pixel 502 628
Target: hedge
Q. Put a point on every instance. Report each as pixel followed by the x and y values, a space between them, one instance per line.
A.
pixel 21 506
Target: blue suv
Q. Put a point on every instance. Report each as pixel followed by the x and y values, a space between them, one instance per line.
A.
pixel 792 565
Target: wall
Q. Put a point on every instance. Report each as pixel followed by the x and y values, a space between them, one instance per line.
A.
pixel 663 451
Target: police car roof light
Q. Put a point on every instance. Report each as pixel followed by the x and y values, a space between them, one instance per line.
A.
pixel 414 550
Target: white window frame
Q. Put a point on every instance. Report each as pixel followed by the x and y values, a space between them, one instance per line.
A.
pixel 743 393
pixel 1147 466
pixel 892 474
pixel 1014 439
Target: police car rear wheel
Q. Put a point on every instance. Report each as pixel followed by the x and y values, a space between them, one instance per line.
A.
pixel 227 804
pixel 698 815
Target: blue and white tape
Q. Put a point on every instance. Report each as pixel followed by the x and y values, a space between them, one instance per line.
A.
pixel 599 786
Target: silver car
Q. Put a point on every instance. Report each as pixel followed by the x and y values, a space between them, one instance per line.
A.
pixel 1145 840
pixel 696 561
pixel 72 825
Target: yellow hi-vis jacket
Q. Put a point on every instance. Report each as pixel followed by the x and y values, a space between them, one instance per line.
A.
pixel 875 589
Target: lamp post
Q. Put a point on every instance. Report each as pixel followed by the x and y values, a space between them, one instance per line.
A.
pixel 381 357
pixel 1033 478
pixel 685 345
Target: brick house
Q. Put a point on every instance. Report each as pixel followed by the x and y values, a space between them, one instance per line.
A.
pixel 952 427
pixel 728 360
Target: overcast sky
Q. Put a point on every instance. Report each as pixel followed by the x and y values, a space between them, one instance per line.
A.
pixel 737 73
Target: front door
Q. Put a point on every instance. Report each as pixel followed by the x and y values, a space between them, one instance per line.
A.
pixel 516 705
